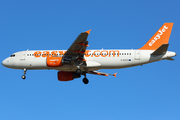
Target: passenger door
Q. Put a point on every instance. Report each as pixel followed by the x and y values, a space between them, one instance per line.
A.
pixel 23 56
pixel 137 55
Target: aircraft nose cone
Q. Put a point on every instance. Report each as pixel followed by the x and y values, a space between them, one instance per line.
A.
pixel 5 63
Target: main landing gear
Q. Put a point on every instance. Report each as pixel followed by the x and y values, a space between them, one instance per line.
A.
pixel 78 71
pixel 85 80
pixel 24 76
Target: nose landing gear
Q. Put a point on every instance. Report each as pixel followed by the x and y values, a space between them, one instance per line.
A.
pixel 24 76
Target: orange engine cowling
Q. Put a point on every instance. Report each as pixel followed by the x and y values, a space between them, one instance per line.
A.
pixel 67 76
pixel 54 61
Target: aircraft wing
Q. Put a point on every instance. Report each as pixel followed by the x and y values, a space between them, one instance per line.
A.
pixel 78 47
pixel 101 73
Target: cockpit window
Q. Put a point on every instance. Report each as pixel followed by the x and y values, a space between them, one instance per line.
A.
pixel 13 55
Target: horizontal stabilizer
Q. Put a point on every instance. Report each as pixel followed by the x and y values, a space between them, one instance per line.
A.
pixel 161 50
pixel 169 58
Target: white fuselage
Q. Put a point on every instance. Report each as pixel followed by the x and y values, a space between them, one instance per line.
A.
pixel 95 59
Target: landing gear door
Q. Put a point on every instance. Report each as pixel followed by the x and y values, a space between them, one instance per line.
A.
pixel 136 55
pixel 23 56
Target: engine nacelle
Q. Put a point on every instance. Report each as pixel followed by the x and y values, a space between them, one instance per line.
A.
pixel 54 61
pixel 67 76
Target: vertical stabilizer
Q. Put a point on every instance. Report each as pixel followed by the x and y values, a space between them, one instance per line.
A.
pixel 159 38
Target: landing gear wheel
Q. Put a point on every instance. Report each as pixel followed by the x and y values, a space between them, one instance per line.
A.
pixel 85 81
pixel 78 71
pixel 23 77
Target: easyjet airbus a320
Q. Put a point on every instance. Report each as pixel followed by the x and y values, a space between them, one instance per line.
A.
pixel 77 61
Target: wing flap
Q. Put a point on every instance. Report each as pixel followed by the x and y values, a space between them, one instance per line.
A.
pixel 101 73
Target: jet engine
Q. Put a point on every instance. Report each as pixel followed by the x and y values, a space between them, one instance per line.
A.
pixel 67 76
pixel 54 61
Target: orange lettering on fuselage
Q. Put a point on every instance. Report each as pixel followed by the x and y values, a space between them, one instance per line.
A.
pixel 114 51
pixel 54 53
pixel 88 53
pixel 96 54
pixel 45 54
pixel 37 54
pixel 48 53
pixel 103 54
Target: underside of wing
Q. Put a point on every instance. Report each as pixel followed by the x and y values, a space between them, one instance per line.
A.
pixel 101 73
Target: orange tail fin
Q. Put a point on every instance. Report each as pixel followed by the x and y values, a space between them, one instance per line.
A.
pixel 159 38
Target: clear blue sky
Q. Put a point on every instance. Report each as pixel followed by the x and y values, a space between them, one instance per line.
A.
pixel 149 92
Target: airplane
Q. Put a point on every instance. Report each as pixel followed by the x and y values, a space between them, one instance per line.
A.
pixel 77 61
